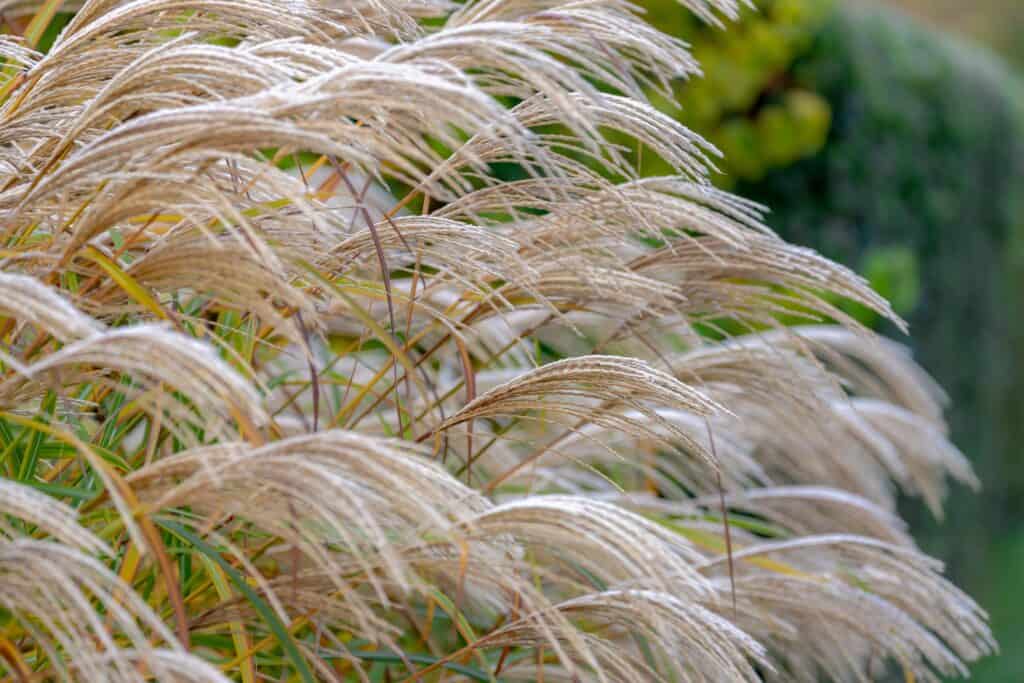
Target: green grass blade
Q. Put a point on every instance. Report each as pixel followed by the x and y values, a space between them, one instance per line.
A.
pixel 35 443
pixel 279 630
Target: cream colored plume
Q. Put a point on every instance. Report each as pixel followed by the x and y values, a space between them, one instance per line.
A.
pixel 343 341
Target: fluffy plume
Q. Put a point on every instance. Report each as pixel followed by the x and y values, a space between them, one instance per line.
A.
pixel 340 341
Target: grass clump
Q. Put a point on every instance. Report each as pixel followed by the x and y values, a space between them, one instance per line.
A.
pixel 261 419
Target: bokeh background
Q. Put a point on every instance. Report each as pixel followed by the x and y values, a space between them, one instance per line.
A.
pixel 891 137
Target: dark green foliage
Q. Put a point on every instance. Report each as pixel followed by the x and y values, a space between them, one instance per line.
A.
pixel 926 156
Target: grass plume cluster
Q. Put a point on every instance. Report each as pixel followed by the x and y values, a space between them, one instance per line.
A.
pixel 339 343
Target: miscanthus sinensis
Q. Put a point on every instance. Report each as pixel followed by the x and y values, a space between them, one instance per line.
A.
pixel 341 341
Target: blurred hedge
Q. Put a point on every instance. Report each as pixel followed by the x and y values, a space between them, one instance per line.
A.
pixel 919 184
pixel 994 22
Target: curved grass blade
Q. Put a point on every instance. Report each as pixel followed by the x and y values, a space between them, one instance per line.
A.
pixel 279 630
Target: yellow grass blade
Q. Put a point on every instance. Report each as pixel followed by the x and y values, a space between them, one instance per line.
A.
pixel 37 27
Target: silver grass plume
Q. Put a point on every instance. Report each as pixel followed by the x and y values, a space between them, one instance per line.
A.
pixel 340 341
